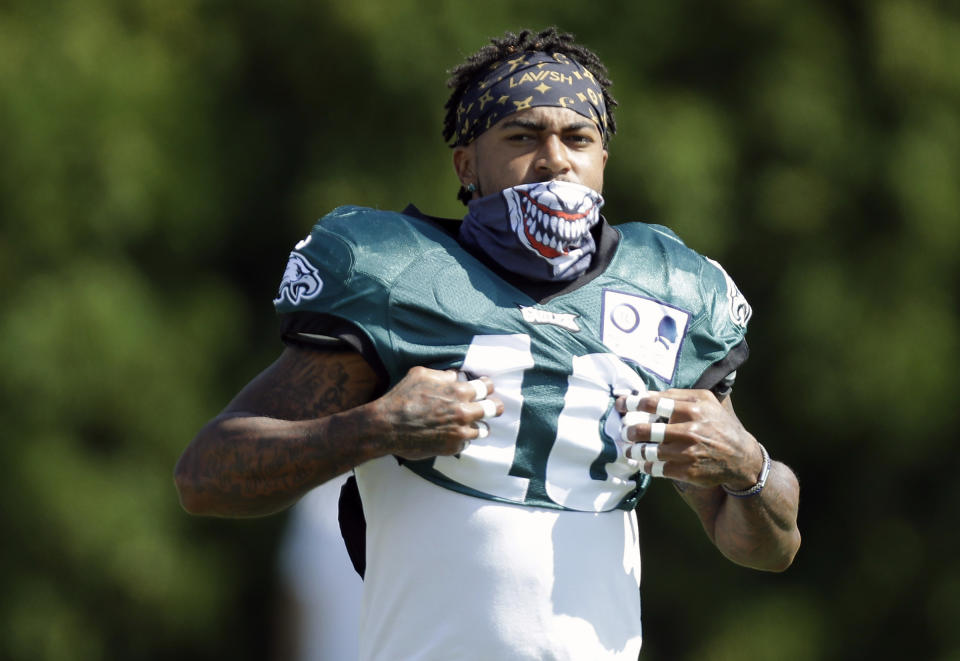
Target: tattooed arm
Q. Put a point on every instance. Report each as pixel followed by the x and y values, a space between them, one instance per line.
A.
pixel 311 416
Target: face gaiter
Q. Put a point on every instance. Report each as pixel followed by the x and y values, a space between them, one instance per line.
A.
pixel 540 231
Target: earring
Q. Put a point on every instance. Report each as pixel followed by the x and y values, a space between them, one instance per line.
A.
pixel 471 188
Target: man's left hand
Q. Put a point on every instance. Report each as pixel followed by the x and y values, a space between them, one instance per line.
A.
pixel 702 442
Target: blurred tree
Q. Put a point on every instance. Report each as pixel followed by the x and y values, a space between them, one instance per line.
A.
pixel 158 161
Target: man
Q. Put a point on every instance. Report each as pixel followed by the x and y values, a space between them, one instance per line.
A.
pixel 504 388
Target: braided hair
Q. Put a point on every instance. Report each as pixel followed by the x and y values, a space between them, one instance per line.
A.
pixel 550 41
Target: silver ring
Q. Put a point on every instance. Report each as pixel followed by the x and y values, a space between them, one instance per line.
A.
pixel 480 388
pixel 489 408
pixel 657 431
pixel 632 402
pixel 657 469
pixel 665 407
pixel 483 429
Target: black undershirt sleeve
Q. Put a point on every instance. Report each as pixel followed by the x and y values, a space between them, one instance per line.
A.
pixel 330 333
pixel 353 524
pixel 719 377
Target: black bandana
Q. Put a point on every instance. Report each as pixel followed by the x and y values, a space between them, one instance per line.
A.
pixel 529 80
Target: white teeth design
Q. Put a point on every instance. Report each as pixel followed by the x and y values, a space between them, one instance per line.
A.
pixel 544 209
pixel 553 231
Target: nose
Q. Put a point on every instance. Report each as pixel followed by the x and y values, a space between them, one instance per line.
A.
pixel 552 160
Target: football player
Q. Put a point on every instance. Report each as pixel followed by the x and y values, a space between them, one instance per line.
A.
pixel 503 387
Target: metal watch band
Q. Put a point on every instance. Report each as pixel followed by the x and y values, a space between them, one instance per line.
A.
pixel 761 481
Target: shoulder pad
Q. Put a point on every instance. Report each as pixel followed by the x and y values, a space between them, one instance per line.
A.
pixel 657 261
pixel 353 250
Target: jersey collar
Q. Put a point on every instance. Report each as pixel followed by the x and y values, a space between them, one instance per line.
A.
pixel 604 234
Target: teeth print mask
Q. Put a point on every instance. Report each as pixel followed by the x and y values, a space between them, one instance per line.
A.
pixel 541 231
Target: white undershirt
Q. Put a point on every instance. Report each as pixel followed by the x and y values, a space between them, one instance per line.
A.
pixel 316 572
pixel 451 576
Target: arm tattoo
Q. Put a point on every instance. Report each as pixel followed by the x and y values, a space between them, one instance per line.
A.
pixel 302 385
pixel 256 458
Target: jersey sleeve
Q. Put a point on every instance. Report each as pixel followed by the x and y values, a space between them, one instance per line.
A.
pixel 714 345
pixel 324 299
pixel 728 315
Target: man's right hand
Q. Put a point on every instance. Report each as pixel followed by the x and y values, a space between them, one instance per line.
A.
pixel 431 412
pixel 311 416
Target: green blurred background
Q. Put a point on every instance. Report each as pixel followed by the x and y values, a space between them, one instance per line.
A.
pixel 159 159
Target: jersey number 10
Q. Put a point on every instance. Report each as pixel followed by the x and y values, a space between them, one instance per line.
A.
pixel 584 467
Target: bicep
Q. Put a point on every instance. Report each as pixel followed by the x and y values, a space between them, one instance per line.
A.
pixel 305 383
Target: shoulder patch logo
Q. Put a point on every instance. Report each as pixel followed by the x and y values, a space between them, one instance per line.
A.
pixel 562 319
pixel 301 281
pixel 644 331
pixel 740 310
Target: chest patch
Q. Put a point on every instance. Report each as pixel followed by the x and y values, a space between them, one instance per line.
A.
pixel 644 331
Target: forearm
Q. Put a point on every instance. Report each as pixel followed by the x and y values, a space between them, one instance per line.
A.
pixel 756 531
pixel 244 465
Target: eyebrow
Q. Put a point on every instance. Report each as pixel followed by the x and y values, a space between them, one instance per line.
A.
pixel 532 125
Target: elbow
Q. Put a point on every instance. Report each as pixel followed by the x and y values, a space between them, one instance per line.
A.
pixel 772 555
pixel 782 560
pixel 790 552
pixel 194 475
pixel 190 495
pixel 184 491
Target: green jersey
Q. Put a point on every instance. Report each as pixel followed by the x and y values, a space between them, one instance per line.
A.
pixel 405 292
